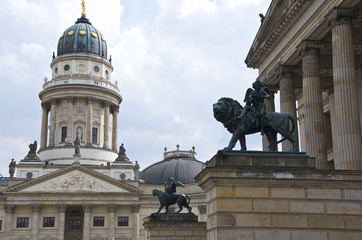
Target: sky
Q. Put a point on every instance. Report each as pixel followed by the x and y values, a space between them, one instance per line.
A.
pixel 172 60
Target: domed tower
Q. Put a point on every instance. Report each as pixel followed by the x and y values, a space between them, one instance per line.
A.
pixel 80 101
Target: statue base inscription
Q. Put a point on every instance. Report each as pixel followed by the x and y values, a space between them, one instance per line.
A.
pixel 168 226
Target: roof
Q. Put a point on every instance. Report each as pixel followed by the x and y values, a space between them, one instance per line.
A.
pixel 180 165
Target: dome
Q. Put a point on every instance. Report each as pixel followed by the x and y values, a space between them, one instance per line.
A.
pixel 82 37
pixel 180 165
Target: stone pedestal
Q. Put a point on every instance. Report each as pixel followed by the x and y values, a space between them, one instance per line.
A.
pixel 180 226
pixel 252 196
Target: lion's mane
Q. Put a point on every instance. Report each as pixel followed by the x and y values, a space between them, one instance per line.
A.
pixel 227 115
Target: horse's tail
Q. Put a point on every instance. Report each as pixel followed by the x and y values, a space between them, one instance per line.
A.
pixel 291 131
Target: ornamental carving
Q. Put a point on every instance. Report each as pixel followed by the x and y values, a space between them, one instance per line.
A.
pixel 73 182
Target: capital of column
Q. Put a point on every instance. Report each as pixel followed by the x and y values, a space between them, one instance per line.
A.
pixel 202 209
pixel 45 106
pixel 71 99
pixel 286 70
pixel 112 207
pixel 106 103
pixel 62 207
pixel 35 207
pixel 115 109
pixel 136 208
pixel 87 208
pixel 341 16
pixel 90 100
pixel 9 208
pixel 309 47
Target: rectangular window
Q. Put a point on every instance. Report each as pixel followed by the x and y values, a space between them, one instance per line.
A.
pixel 48 221
pixel 74 224
pixel 98 222
pixel 64 134
pixel 74 213
pixel 94 135
pixel 22 222
pixel 122 221
pixel 1 225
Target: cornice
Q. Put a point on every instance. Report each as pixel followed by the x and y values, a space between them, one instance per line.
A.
pixel 294 11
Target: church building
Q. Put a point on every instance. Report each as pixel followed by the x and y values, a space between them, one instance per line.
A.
pixel 79 183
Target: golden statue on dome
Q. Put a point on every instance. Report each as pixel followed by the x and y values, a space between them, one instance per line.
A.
pixel 83 8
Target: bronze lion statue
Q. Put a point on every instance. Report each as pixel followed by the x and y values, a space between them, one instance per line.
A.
pixel 228 110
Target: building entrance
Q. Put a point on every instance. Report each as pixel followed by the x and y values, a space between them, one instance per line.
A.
pixel 74 220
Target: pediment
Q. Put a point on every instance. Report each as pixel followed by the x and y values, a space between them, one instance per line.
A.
pixel 74 179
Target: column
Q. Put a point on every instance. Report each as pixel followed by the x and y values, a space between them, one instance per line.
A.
pixel 86 226
pixel 202 211
pixel 106 125
pixel 313 105
pixel 287 100
pixel 89 121
pixel 115 127
pixel 62 208
pixel 269 107
pixel 9 211
pixel 111 220
pixel 35 208
pixel 359 86
pixel 345 90
pixel 136 221
pixel 53 106
pixel 44 126
pixel 70 121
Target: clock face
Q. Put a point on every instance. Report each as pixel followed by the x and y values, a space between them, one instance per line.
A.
pixel 122 176
pixel 29 175
pixel 96 68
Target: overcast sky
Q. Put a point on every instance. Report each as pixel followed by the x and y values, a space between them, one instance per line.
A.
pixel 172 59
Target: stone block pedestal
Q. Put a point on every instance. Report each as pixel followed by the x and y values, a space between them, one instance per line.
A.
pixel 174 226
pixel 279 196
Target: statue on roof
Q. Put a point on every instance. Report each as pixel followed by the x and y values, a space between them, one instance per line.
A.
pixel 33 147
pixel 136 170
pixel 12 167
pixel 76 146
pixel 170 197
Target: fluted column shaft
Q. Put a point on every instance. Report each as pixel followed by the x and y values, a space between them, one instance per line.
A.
pixel 115 127
pixel 86 222
pixel 70 120
pixel 106 125
pixel 335 134
pixel 287 101
pixel 111 220
pixel 35 208
pixel 346 91
pixel 359 86
pixel 136 221
pixel 44 126
pixel 53 110
pixel 61 221
pixel 313 105
pixel 269 107
pixel 9 211
pixel 89 121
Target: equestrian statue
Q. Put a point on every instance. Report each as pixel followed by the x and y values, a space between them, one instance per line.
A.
pixel 170 197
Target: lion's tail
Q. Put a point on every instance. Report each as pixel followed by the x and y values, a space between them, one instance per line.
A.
pixel 291 131
pixel 188 199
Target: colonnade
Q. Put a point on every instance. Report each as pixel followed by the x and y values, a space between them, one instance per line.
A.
pixel 344 104
pixel 62 209
pixel 52 107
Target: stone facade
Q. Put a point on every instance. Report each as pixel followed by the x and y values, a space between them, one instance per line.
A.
pixel 281 203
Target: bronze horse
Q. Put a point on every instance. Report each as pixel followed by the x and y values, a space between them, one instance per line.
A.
pixel 166 200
